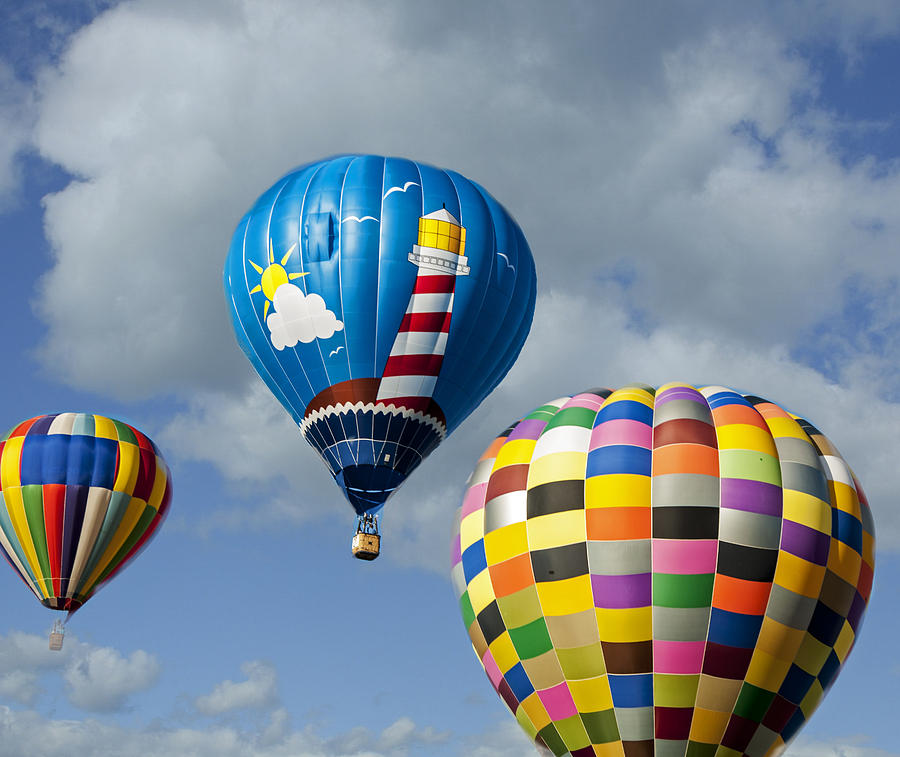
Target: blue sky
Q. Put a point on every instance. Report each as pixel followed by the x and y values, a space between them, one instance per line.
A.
pixel 711 194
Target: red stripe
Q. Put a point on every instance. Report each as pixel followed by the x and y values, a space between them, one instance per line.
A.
pixel 22 428
pixel 413 403
pixel 439 284
pixel 413 365
pixel 431 323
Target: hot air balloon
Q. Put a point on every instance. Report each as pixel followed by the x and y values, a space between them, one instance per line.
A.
pixel 80 496
pixel 680 571
pixel 380 300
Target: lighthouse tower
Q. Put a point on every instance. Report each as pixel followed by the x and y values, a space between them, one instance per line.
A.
pixel 373 432
pixel 414 363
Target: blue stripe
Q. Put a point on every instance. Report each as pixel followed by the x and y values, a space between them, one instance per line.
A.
pixel 619 458
pixel 847 529
pixel 632 690
pixel 625 410
pixel 474 560
pixel 796 684
pixel 519 681
pixel 726 398
pixel 43 459
pixel 733 629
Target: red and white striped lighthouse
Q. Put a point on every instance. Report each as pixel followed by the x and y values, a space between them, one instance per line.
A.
pixel 418 350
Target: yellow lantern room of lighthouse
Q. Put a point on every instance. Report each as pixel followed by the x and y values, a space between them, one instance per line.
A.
pixel 440 233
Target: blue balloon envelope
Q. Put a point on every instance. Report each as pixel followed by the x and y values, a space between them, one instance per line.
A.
pixel 381 300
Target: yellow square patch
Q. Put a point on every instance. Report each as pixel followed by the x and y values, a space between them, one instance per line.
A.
pixel 625 625
pixel 567 596
pixel 556 529
pixel 592 694
pixel 506 542
pixel 617 490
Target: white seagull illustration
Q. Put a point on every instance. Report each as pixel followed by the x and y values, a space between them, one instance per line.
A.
pixel 508 264
pixel 335 352
pixel 401 189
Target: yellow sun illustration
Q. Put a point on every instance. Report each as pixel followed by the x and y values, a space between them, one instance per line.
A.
pixel 273 276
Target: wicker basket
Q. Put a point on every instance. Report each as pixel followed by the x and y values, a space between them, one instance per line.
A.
pixel 366 546
pixel 56 641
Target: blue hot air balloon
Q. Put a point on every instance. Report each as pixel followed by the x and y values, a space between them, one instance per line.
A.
pixel 381 300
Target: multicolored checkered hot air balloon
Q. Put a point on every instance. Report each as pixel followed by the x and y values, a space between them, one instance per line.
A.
pixel 673 572
pixel 80 495
pixel 380 300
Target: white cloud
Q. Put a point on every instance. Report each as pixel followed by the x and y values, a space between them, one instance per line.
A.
pixel 403 733
pixel 851 747
pixel 17 113
pixel 101 679
pixel 176 117
pixel 23 659
pixel 97 679
pixel 260 690
pixel 27 732
pixel 300 318
pixel 688 218
pixel 251 439
pixel 507 739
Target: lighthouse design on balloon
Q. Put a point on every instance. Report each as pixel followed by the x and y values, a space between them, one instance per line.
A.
pixel 393 419
pixel 417 353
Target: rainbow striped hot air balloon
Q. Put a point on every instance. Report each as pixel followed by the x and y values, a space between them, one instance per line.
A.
pixel 380 300
pixel 673 572
pixel 80 495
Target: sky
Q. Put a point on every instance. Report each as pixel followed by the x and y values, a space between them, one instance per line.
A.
pixel 711 192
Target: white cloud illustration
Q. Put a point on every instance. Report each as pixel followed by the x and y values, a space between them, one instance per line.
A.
pixel 300 318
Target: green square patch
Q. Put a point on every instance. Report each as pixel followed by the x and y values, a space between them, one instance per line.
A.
pixel 531 640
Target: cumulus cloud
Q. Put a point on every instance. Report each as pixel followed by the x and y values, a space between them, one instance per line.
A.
pixel 101 679
pixel 253 442
pixel 97 679
pixel 709 174
pixel 251 439
pixel 23 659
pixel 715 166
pixel 717 170
pixel 300 318
pixel 398 738
pixel 260 690
pixel 27 732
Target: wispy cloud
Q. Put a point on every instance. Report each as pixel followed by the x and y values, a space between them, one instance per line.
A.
pixel 27 732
